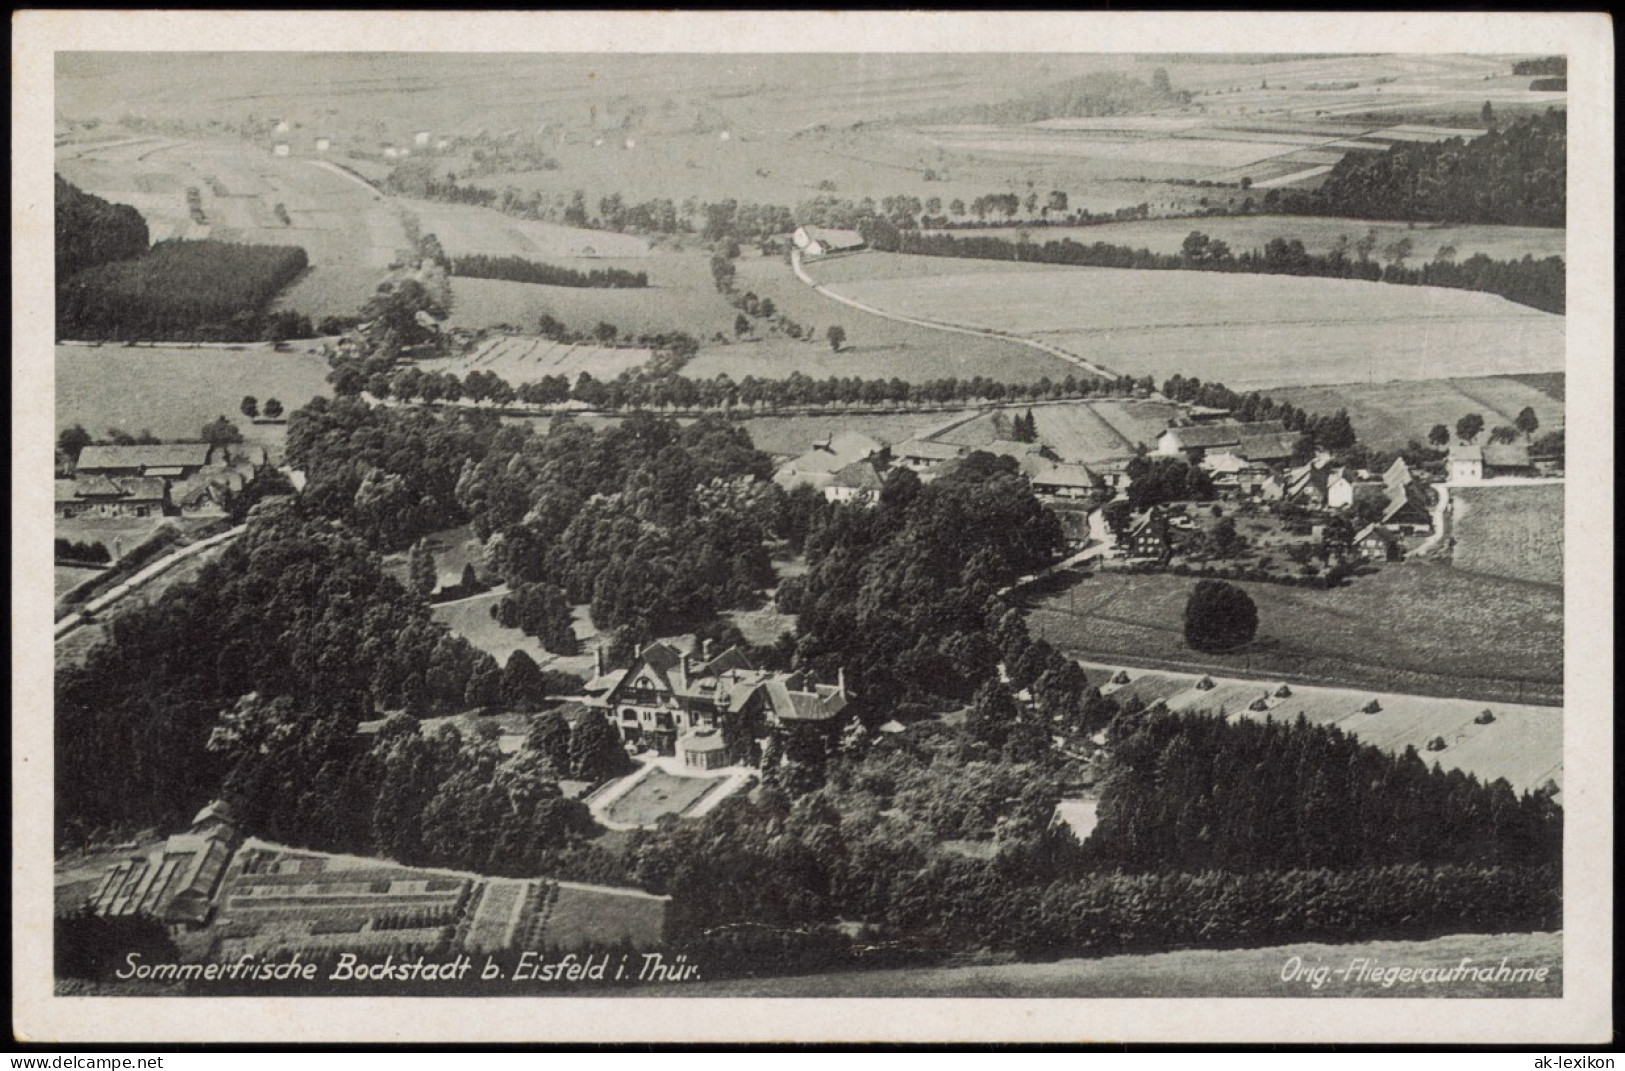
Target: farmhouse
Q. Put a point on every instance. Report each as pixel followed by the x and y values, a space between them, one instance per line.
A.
pixel 857 482
pixel 827 457
pixel 281 149
pixel 823 241
pixel 324 144
pixel 924 455
pixel 1149 538
pixel 1398 474
pixel 169 460
pixel 112 496
pixel 1408 511
pixel 1378 542
pixel 1060 479
pixel 1471 464
pixel 1113 472
pixel 1261 441
pixel 669 695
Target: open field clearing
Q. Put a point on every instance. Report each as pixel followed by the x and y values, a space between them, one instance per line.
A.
pixel 1077 431
pixel 471 619
pixel 1244 330
pixel 582 916
pixel 1511 530
pixel 465 230
pixel 174 390
pixel 453 548
pixel 658 793
pixel 1523 744
pixel 67 577
pixel 1420 628
pixel 1318 235
pixel 524 358
pixel 1251 972
pixel 350 233
pixel 1388 415
pixel 652 310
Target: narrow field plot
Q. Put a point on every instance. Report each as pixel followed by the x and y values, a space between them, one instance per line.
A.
pixel 524 358
pixel 1243 330
pixel 1388 415
pixel 584 916
pixel 1423 628
pixel 469 229
pixel 653 310
pixel 175 390
pixel 1318 235
pixel 1511 530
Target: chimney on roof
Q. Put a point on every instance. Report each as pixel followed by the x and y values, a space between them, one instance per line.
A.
pixel 598 653
pixel 683 661
pixel 705 649
pixel 840 680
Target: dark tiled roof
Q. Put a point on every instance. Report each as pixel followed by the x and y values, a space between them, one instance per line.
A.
pixel 158 455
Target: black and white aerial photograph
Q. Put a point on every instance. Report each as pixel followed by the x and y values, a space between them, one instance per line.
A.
pixel 984 524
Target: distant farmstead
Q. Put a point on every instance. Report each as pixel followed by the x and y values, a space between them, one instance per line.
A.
pixel 823 241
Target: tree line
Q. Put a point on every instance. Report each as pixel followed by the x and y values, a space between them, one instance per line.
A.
pixel 1537 283
pixel 520 270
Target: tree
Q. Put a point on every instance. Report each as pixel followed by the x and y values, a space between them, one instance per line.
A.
pixel 1468 427
pixel 523 687
pixel 273 409
pixel 837 337
pixel 1503 433
pixel 1439 436
pixel 549 737
pixel 1219 617
pixel 1527 422
pixel 1226 540
pixel 741 325
pixel 992 714
pixel 421 569
pixel 220 432
pixel 596 753
pixel 1486 115
pixel 73 440
pixel 250 406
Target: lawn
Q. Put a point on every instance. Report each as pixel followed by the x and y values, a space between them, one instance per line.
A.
pixel 584 916
pixel 1318 234
pixel 791 436
pixel 465 230
pixel 1251 972
pixel 174 390
pixel 1415 627
pixel 1246 331
pixel 654 309
pixel 471 619
pixel 1388 415
pixel 1511 530
pixel 1523 744
pixel 67 577
pixel 658 793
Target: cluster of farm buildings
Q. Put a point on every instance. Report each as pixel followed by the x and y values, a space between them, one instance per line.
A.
pixel 154 480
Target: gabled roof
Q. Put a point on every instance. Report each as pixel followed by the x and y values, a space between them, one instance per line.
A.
pixel 1507 455
pixel 1011 448
pixel 1202 436
pixel 1044 472
pixel 829 456
pixel 1379 530
pixel 96 458
pixel 1410 501
pixel 1273 446
pixel 124 488
pixel 860 475
pixel 927 450
pixel 734 658
pixel 1398 472
pixel 1466 452
pixel 833 238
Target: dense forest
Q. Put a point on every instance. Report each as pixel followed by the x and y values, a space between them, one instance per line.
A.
pixel 1516 174
pixel 1537 283
pixel 91 231
pixel 520 270
pixel 184 291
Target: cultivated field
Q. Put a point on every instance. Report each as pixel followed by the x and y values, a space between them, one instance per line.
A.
pixel 350 232
pixel 791 436
pixel 676 306
pixel 524 358
pixel 1252 972
pixel 1388 415
pixel 658 793
pixel 1243 330
pixel 1077 431
pixel 1318 235
pixel 1417 627
pixel 464 230
pixel 1523 744
pixel 174 390
pixel 1511 530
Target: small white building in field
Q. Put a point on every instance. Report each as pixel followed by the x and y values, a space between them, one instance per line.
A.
pixel 323 144
pixel 421 138
pixel 822 241
pixel 280 149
